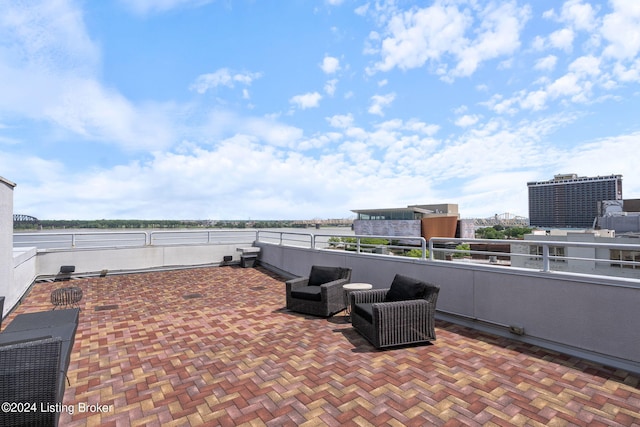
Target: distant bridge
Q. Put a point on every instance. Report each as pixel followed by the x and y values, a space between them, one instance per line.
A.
pixel 504 219
pixel 25 219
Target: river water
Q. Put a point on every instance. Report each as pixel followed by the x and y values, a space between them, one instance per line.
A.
pixel 87 238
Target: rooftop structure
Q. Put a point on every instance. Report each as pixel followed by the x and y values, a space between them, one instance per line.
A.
pixel 570 201
pixel 621 216
pixel 410 212
pixel 413 221
pixel 215 346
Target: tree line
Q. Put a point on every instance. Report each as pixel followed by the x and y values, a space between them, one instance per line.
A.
pixel 501 232
pixel 137 223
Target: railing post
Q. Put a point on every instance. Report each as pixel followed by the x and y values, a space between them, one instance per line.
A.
pixel 424 248
pixel 431 249
pixel 357 245
pixel 73 240
pixel 546 265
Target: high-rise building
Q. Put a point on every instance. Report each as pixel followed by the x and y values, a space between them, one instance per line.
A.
pixel 569 201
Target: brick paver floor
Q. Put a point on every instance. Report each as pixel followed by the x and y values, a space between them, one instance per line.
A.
pixel 215 346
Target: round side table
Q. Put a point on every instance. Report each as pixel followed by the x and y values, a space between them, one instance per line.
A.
pixel 350 287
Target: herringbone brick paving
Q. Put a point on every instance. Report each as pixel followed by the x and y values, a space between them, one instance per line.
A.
pixel 233 355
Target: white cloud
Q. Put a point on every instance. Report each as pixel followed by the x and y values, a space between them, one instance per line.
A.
pixel 415 125
pixel 586 65
pixel 272 133
pixel 341 121
pixel 49 36
pixel 222 77
pixel 628 74
pixel 330 87
pixel 224 124
pixel 580 15
pixel 420 35
pixel 562 39
pixel 538 43
pixel 499 35
pixel 49 72
pixel 330 65
pixel 595 158
pixel 378 102
pixel 361 10
pixel 145 7
pixel 576 13
pixel 567 85
pixel 548 63
pixel 93 112
pixel 621 29
pixel 307 100
pixel 467 120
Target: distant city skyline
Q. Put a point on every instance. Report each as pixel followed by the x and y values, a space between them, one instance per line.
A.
pixel 211 109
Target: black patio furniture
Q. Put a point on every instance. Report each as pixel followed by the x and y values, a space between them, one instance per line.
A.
pixel 35 351
pixel 319 294
pixel 399 315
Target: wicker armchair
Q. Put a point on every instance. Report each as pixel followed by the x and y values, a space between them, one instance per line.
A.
pixel 30 374
pixel 321 293
pixel 401 314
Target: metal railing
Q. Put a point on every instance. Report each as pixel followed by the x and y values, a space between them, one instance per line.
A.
pixel 120 239
pixel 286 238
pixel 372 244
pixel 206 237
pixel 572 252
pixel 577 257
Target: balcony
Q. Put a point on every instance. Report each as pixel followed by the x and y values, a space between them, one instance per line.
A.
pixel 168 335
pixel 215 346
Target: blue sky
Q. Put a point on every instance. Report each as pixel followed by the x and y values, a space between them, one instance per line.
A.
pixel 246 109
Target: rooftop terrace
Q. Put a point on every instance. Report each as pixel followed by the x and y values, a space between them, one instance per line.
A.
pixel 215 346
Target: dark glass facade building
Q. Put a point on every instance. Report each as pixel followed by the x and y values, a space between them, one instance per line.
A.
pixel 569 201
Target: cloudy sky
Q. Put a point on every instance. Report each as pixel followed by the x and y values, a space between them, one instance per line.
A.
pixel 300 109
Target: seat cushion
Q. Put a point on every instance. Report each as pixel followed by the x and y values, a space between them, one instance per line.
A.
pixel 309 293
pixel 321 275
pixel 364 310
pixel 405 288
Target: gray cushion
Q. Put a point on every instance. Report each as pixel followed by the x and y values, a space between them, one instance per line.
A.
pixel 321 275
pixel 364 310
pixel 309 293
pixel 405 288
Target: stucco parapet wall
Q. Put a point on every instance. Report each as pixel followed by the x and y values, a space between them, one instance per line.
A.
pixel 20 255
pixel 7 182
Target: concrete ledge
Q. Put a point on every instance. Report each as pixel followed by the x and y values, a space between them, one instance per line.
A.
pixel 253 250
pixel 22 255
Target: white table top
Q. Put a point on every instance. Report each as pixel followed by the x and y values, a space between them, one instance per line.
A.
pixel 357 286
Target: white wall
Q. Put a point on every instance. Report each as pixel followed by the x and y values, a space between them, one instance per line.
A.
pixel 93 261
pixel 6 245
